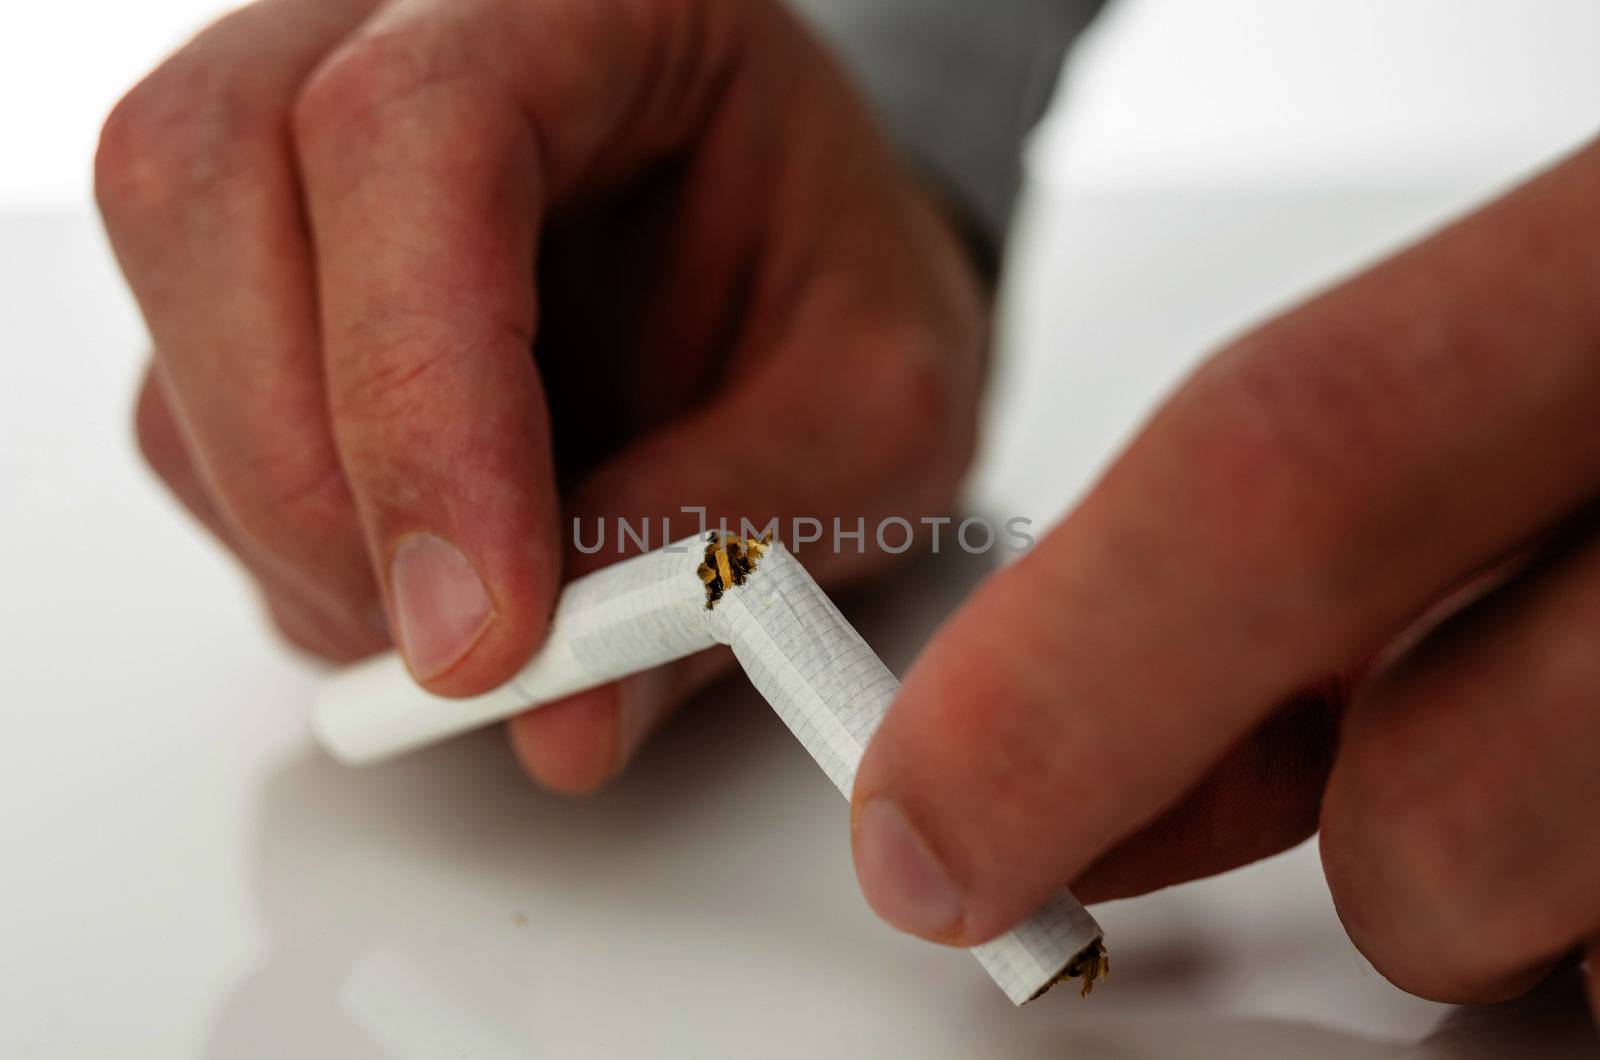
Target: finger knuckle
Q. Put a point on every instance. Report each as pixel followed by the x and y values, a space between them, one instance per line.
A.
pixel 381 411
pixel 395 379
pixel 1382 821
pixel 365 77
pixel 1283 432
pixel 155 432
pixel 286 504
pixel 689 46
pixel 181 134
pixel 1406 867
pixel 927 427
pixel 280 497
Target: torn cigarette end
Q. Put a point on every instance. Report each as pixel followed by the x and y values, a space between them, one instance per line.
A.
pixel 1090 964
pixel 729 561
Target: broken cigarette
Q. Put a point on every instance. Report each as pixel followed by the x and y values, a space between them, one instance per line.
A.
pixel 823 680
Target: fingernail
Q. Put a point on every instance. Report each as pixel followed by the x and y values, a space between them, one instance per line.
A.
pixel 441 606
pixel 904 882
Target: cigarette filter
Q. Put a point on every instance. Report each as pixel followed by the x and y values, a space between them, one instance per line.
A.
pixel 823 680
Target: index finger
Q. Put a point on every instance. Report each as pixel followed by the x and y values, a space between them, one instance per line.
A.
pixel 434 144
pixel 1304 496
pixel 418 184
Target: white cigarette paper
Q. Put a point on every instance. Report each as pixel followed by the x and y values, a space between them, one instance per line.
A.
pixel 823 680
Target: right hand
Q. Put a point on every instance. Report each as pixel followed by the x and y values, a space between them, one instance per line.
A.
pixel 426 278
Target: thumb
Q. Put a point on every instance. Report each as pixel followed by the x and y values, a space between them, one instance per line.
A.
pixel 1293 507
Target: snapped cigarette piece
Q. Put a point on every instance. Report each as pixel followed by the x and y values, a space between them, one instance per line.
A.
pixel 1091 965
pixel 821 678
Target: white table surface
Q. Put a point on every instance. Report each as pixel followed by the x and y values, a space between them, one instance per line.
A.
pixel 185 876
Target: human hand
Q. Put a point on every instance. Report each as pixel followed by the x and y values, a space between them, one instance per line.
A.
pixel 1350 576
pixel 348 223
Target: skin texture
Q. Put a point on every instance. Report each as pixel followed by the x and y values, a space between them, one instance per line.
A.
pixel 425 280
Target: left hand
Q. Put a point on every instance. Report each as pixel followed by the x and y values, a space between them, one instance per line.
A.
pixel 428 278
pixel 1237 638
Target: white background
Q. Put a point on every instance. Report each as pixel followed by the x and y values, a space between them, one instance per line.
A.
pixel 1222 92
pixel 184 875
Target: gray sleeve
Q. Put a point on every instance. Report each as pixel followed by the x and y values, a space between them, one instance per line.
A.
pixel 959 82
